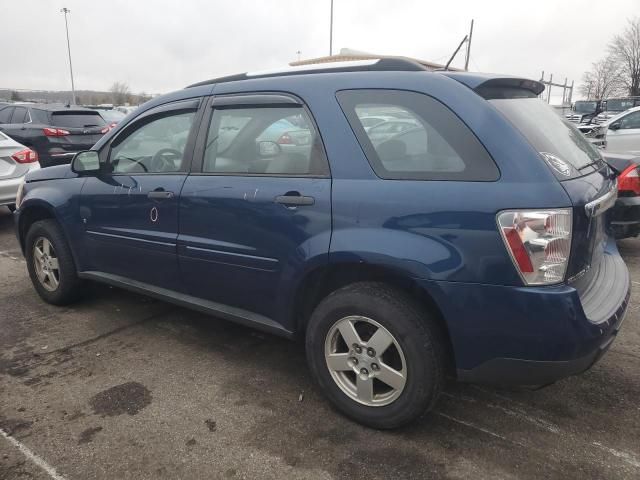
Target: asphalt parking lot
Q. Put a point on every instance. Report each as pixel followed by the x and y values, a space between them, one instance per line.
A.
pixel 121 386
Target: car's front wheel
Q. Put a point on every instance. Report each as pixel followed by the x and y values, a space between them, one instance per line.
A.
pixel 50 263
pixel 376 354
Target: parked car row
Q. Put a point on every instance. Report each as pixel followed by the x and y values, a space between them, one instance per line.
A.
pixel 54 131
pixel 590 112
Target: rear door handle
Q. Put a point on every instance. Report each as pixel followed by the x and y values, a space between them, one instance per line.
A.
pixel 293 200
pixel 160 195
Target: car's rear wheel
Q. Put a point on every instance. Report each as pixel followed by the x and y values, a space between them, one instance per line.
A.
pixel 376 354
pixel 50 263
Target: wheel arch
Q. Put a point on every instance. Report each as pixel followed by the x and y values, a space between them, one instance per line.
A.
pixel 325 279
pixel 30 213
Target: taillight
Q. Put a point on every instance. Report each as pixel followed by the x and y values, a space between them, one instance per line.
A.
pixel 285 139
pixel 25 156
pixel 55 132
pixel 629 180
pixel 539 242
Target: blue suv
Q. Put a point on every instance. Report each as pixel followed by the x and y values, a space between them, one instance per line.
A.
pixel 469 238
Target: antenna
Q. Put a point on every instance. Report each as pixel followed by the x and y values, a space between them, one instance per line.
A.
pixel 446 67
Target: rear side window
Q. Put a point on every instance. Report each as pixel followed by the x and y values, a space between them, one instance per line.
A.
pixel 19 115
pixel 39 116
pixel 5 114
pixel 418 139
pixel 76 119
pixel 263 140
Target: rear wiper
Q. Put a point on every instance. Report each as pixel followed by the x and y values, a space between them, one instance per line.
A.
pixel 91 125
pixel 587 165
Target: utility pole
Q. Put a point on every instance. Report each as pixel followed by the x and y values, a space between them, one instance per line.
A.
pixel 65 10
pixel 468 56
pixel 331 31
pixel 298 53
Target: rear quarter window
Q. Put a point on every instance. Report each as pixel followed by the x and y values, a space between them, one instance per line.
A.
pixel 424 139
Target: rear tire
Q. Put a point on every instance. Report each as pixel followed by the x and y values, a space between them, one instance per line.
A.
pixel 50 264
pixel 410 355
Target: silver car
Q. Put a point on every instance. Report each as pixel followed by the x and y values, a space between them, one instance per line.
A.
pixel 16 161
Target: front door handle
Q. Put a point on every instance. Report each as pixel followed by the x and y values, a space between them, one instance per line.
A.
pixel 294 199
pixel 160 195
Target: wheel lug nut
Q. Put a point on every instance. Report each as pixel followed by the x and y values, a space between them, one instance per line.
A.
pixel 357 348
pixel 371 352
pixel 364 371
pixel 375 367
pixel 353 360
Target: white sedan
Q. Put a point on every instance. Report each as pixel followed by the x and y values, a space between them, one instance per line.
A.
pixel 623 132
pixel 16 161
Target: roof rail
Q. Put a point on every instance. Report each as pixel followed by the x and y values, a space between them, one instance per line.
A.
pixel 388 64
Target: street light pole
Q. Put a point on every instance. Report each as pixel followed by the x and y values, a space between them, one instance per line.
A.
pixel 331 31
pixel 65 10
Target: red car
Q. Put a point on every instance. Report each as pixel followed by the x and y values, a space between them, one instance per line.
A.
pixel 626 212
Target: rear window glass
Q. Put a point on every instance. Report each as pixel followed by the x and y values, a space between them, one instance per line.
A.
pixel 418 138
pixel 560 143
pixel 76 119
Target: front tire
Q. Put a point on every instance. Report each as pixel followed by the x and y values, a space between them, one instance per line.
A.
pixel 50 264
pixel 376 354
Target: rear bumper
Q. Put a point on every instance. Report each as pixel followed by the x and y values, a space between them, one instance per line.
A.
pixel 625 219
pixel 9 187
pixel 514 371
pixel 8 190
pixel 533 335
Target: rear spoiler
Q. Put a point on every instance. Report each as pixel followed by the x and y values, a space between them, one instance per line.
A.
pixel 492 87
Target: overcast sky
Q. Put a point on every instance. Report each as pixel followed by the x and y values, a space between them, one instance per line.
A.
pixel 159 46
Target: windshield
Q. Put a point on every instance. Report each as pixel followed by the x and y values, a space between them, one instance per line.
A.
pixel 551 135
pixel 586 107
pixel 112 115
pixel 619 104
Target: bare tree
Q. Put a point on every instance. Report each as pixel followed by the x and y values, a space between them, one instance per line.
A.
pixel 625 48
pixel 603 80
pixel 120 93
pixel 143 97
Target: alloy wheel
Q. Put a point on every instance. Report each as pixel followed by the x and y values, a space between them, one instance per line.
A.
pixel 46 264
pixel 365 361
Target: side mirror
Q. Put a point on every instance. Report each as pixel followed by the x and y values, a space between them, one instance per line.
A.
pixel 614 126
pixel 84 163
pixel 268 149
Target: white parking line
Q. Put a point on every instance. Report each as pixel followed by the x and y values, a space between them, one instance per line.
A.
pixel 477 427
pixel 519 413
pixel 33 457
pixel 627 457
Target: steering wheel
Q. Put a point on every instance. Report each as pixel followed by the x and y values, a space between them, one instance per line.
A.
pixel 163 160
